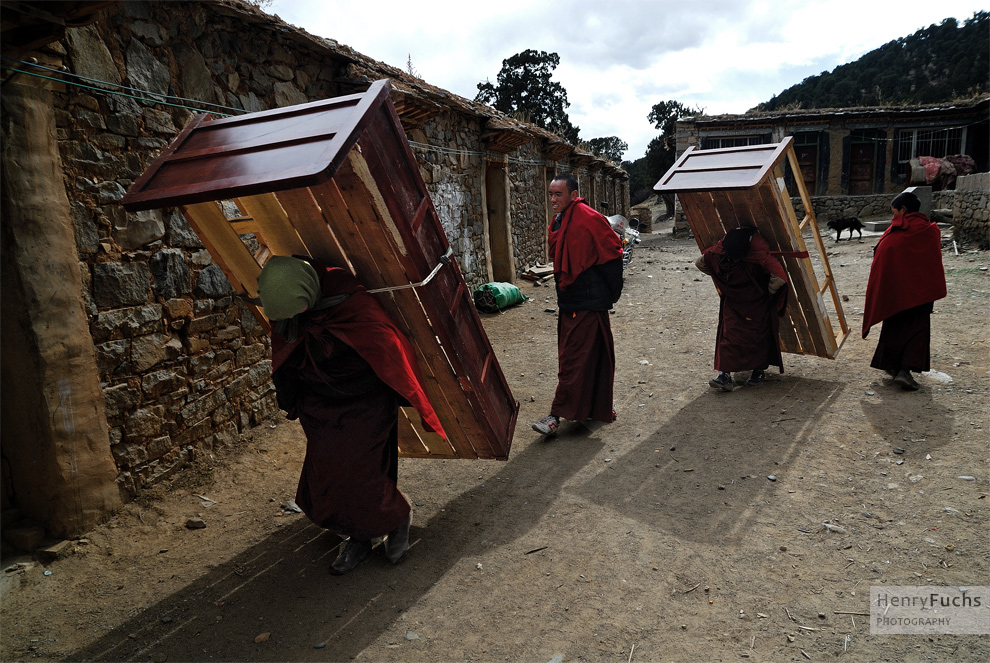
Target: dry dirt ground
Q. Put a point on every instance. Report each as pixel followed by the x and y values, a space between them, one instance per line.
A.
pixel 657 538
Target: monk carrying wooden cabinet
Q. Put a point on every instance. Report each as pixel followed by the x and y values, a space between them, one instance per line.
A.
pixel 334 185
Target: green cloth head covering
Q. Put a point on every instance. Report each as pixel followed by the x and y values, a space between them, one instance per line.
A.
pixel 288 286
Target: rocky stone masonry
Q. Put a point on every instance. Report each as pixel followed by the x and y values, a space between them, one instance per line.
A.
pixel 529 205
pixel 971 210
pixel 967 207
pixel 183 365
pixel 454 175
pixel 829 208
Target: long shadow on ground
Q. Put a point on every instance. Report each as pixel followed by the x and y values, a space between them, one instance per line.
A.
pixel 700 476
pixel 282 587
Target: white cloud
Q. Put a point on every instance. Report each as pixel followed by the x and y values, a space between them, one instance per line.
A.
pixel 620 57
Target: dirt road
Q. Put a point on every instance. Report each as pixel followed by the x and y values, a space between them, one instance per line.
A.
pixel 689 530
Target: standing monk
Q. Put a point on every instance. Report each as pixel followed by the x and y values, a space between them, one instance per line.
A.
pixel 587 271
pixel 342 367
pixel 906 278
pixel 752 300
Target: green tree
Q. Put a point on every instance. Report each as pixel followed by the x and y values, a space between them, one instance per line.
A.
pixel 524 89
pixel 661 151
pixel 639 188
pixel 609 147
pixel 940 63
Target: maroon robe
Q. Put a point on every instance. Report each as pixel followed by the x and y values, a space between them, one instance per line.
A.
pixel 347 370
pixel 586 367
pixel 905 341
pixel 748 317
pixel 585 347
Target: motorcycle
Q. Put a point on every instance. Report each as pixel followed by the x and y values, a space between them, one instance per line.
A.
pixel 628 232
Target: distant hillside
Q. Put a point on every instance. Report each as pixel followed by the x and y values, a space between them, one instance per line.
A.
pixel 939 63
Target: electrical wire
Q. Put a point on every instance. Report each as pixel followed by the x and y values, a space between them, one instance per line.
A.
pixel 151 97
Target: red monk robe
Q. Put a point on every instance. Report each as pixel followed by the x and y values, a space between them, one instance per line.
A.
pixel 748 316
pixel 906 277
pixel 344 377
pixel 907 269
pixel 587 263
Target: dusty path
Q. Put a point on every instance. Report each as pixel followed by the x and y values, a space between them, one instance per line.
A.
pixel 657 538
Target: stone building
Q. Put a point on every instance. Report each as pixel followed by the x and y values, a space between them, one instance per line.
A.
pixel 124 354
pixel 854 151
pixel 853 160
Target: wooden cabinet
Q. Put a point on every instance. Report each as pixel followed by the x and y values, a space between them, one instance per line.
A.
pixel 337 180
pixel 726 188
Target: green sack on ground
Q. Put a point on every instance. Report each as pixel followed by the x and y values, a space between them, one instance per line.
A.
pixel 493 297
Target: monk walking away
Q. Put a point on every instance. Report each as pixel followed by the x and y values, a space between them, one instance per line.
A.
pixel 752 300
pixel 342 367
pixel 587 271
pixel 906 278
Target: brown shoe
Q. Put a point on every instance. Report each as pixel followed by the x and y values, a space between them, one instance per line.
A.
pixel 352 553
pixel 397 542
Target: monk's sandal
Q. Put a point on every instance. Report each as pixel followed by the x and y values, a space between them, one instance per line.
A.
pixel 548 425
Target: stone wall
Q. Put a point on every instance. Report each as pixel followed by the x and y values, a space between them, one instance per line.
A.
pixel 453 168
pixel 530 207
pixel 829 208
pixel 971 210
pixel 182 365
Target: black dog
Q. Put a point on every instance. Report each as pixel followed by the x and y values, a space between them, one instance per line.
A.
pixel 850 223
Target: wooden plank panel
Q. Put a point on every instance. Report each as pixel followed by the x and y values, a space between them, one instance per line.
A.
pixel 415 441
pixel 225 246
pixel 312 224
pixel 773 231
pixel 274 229
pixel 812 222
pixel 777 235
pixel 381 232
pixel 768 220
pixel 816 333
pixel 447 293
pixel 243 227
pixel 369 269
pixel 706 226
pixel 354 187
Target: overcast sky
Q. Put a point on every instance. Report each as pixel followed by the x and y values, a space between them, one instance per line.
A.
pixel 620 57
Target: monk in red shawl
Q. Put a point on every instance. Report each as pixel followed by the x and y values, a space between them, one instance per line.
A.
pixel 342 367
pixel 752 299
pixel 906 278
pixel 587 270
